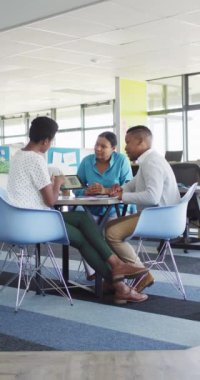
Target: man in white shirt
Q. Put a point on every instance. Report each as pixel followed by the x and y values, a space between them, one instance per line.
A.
pixel 153 185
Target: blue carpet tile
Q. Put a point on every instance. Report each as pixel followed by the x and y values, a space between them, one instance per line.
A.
pixel 60 334
pixel 164 321
pixel 10 343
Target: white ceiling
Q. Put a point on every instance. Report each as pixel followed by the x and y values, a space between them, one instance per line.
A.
pixel 73 57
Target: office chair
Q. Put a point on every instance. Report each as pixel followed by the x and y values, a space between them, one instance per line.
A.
pixel 166 223
pixel 27 228
pixel 186 174
pixel 173 155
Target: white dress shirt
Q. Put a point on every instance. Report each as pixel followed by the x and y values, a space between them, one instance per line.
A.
pixel 154 183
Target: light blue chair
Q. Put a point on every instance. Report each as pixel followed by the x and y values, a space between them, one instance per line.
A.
pixel 27 228
pixel 164 223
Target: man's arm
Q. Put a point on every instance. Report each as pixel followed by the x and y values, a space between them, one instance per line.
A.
pixel 151 183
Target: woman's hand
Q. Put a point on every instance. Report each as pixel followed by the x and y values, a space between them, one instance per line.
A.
pixel 50 192
pixel 58 180
pixel 95 188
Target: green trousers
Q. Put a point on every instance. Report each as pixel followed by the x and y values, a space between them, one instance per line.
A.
pixel 84 235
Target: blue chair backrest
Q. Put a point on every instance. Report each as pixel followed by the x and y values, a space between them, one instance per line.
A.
pixel 29 226
pixel 166 222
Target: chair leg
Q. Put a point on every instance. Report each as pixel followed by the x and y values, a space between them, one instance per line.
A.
pixel 178 277
pixel 30 268
pixel 50 281
pixel 160 263
pixel 25 272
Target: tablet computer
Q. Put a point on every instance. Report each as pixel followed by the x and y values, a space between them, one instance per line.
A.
pixel 72 182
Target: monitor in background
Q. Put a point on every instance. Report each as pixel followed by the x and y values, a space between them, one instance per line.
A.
pixel 174 155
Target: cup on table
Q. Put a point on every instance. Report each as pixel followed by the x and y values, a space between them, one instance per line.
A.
pixel 66 192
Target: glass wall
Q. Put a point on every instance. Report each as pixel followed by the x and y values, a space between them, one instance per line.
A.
pixel 173 116
pixel 194 135
pixel 79 126
pixel 174 131
pixel 97 119
pixel 99 115
pixel 70 127
pixel 165 93
pixel 194 89
pixel 14 130
pixel 1 131
pixel 174 111
pixel 157 126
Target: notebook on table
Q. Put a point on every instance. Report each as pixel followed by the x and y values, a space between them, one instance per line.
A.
pixel 72 182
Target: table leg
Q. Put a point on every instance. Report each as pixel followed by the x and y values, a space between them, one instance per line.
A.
pixel 65 262
pixel 37 264
pixel 98 286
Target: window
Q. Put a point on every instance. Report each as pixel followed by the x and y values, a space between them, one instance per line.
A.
pixel 174 131
pixel 100 115
pixel 194 89
pixel 14 130
pixel 165 93
pixel 15 140
pixel 193 135
pixel 157 126
pixel 1 131
pixel 155 96
pixel 71 139
pixel 33 115
pixel 173 92
pixel 91 137
pixel 69 118
pixel 78 125
pixel 167 123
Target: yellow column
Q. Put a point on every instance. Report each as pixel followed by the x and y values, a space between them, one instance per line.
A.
pixel 132 103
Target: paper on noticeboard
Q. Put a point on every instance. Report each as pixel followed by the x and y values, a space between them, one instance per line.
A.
pixel 66 162
pixel 69 158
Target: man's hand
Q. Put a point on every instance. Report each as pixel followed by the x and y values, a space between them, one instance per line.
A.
pixel 116 191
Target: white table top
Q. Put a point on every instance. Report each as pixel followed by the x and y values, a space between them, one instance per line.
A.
pixel 64 200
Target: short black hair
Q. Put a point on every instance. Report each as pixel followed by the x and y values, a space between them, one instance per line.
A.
pixel 140 129
pixel 110 136
pixel 42 127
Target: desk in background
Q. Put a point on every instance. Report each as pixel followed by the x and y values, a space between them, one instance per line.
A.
pixel 187 173
pixel 188 241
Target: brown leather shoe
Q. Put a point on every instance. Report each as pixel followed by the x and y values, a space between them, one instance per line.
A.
pixel 131 296
pixel 128 271
pixel 143 282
